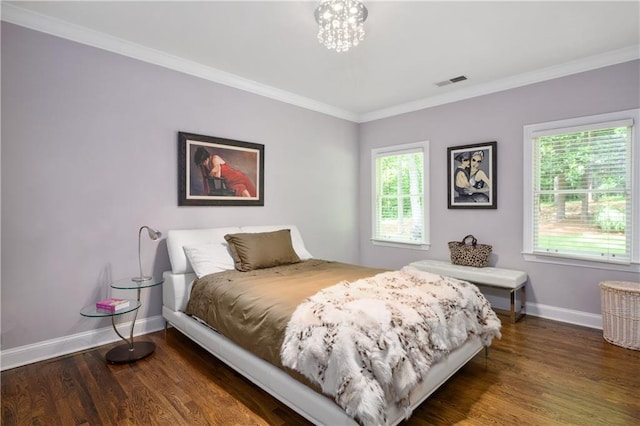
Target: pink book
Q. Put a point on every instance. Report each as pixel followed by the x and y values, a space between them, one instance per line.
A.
pixel 112 304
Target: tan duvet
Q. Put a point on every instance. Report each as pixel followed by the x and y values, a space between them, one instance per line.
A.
pixel 253 308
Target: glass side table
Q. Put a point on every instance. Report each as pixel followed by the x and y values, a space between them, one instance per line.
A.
pixel 130 351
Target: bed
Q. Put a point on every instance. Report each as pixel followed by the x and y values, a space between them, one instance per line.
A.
pixel 204 261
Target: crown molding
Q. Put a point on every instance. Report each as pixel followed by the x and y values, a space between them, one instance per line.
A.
pixel 83 35
pixel 561 70
pixel 35 21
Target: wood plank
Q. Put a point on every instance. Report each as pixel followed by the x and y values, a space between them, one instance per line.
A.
pixel 540 372
pixel 16 399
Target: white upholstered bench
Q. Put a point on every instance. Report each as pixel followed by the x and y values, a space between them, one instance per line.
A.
pixel 490 277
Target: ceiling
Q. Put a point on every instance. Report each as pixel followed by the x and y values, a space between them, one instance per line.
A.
pixel 270 47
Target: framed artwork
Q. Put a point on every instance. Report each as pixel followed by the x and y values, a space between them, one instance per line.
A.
pixel 472 176
pixel 214 171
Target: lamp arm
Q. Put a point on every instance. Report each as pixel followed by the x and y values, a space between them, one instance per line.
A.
pixel 139 256
pixel 154 235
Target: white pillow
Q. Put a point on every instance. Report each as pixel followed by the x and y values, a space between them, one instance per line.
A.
pixel 178 238
pixel 209 258
pixel 296 237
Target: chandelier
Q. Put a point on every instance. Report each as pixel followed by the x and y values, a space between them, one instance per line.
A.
pixel 341 23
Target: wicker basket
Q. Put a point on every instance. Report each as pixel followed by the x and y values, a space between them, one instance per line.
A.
pixel 621 313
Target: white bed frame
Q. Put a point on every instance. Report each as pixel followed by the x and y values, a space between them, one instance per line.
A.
pixel 310 404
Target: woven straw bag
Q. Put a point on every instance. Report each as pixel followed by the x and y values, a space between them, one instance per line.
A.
pixel 473 254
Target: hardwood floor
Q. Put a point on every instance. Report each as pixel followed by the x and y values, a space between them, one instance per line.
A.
pixel 540 373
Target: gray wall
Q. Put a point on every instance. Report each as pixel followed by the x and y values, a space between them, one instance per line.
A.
pixel 500 117
pixel 89 154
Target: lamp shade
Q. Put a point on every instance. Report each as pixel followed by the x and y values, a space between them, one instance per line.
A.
pixel 154 234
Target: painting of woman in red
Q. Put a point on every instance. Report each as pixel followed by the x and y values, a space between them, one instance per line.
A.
pixel 213 166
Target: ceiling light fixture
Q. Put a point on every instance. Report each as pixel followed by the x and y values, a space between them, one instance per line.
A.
pixel 341 23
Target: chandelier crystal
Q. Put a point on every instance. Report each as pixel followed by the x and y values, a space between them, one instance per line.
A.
pixel 341 23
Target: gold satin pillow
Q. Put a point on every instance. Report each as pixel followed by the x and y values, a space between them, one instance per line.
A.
pixel 261 249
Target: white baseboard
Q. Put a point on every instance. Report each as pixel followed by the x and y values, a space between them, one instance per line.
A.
pixel 48 349
pixel 584 319
pixel 23 355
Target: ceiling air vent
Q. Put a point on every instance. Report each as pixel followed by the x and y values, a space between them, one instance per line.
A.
pixel 451 80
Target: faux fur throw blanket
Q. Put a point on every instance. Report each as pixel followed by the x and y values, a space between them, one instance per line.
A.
pixel 368 343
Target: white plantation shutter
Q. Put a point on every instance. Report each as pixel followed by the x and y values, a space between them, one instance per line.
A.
pixel 399 188
pixel 581 203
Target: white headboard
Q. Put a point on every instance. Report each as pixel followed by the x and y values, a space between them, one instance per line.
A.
pixel 178 281
pixel 178 239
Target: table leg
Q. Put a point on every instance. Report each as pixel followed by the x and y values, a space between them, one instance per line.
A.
pixel 131 351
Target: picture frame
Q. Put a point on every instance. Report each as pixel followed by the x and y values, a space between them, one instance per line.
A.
pixel 472 178
pixel 215 171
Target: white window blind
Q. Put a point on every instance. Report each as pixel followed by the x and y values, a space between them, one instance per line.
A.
pixel 582 192
pixel 399 185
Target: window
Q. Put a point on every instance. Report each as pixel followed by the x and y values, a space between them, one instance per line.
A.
pixel 580 191
pixel 399 192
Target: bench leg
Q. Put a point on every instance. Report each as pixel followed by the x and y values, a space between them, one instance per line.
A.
pixel 512 311
pixel 515 316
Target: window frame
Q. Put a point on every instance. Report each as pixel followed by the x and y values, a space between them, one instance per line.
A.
pixel 422 146
pixel 562 126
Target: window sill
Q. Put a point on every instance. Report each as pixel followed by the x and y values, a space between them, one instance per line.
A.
pixel 404 245
pixel 556 260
